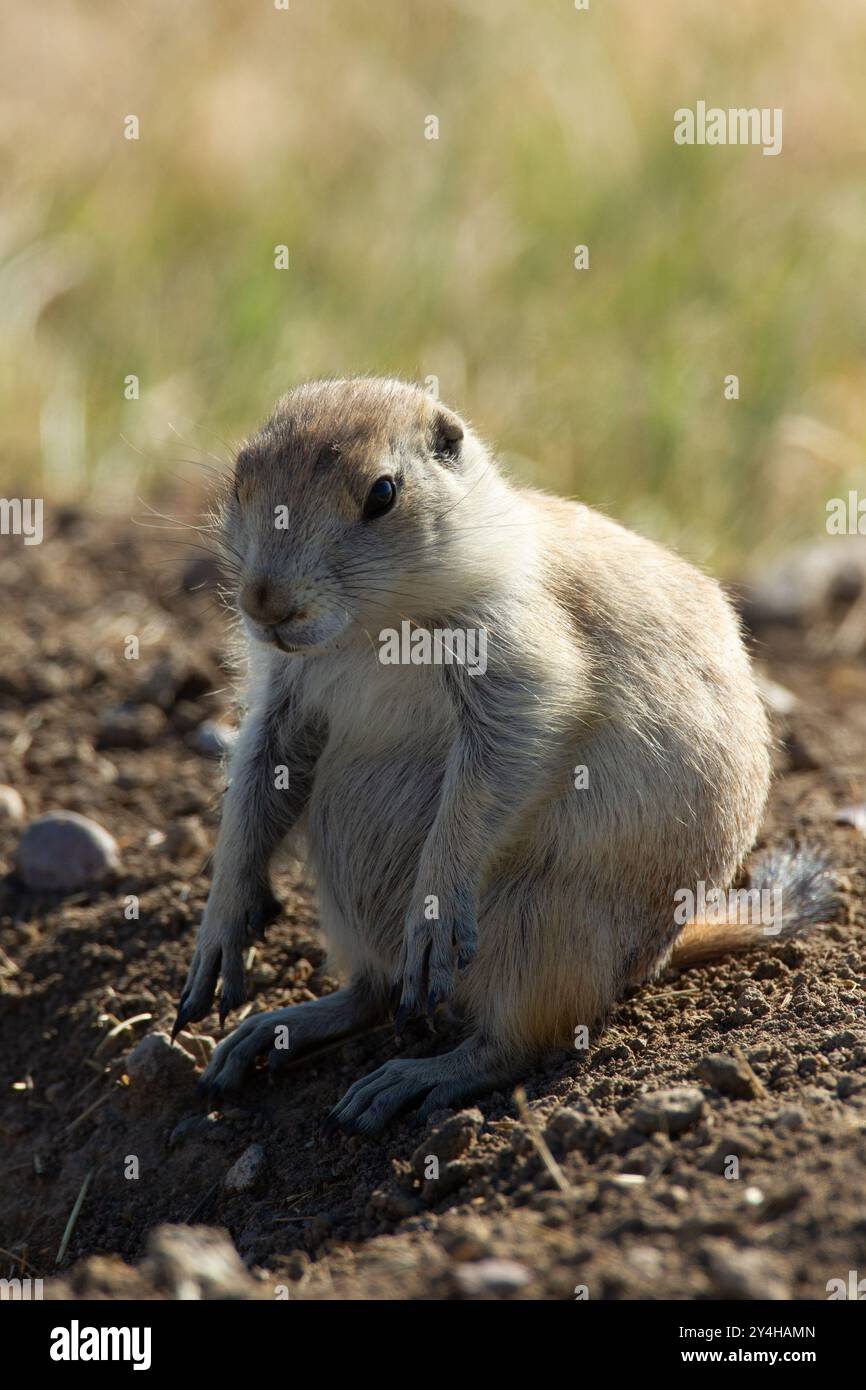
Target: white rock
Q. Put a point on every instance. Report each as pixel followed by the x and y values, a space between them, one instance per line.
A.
pixel 11 806
pixel 197 1262
pixel 779 699
pixel 493 1278
pixel 853 815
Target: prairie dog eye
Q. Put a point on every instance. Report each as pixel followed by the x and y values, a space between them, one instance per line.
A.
pixel 380 498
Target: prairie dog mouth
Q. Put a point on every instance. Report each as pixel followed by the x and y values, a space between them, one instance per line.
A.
pixel 269 636
pixel 307 638
pixel 296 631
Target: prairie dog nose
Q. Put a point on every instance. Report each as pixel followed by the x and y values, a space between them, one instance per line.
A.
pixel 265 603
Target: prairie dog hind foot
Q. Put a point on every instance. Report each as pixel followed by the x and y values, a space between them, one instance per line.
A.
pixel 432 1083
pixel 282 1035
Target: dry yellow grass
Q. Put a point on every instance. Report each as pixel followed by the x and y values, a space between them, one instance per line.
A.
pixel 450 258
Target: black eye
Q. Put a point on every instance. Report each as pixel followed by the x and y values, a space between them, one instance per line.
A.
pixel 380 498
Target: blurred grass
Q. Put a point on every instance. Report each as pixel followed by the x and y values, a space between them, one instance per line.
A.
pixel 451 258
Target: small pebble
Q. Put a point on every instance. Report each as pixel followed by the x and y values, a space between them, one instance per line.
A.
pixel 155 1064
pixel 11 806
pixel 728 1075
pixel 185 839
pixel 854 816
pixel 213 739
pixel 491 1278
pixel 246 1172
pixel 791 1119
pixel 777 697
pixel 670 1111
pixel 130 726
pixel 745 1274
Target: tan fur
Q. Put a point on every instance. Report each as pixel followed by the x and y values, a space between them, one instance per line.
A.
pixel 700 942
pixel 604 650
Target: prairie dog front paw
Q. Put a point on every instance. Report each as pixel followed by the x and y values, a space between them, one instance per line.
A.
pixel 441 936
pixel 233 918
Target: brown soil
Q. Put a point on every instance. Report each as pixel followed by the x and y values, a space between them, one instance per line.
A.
pixel 628 1216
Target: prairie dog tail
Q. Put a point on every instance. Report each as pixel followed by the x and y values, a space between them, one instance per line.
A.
pixel 801 892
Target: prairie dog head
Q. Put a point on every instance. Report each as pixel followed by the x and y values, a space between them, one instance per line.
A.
pixel 359 503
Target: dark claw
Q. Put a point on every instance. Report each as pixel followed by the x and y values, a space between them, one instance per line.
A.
pixel 401 1018
pixel 330 1126
pixel 264 915
pixel 179 1021
pixel 229 999
pixel 232 996
pixel 425 969
pixel 432 1002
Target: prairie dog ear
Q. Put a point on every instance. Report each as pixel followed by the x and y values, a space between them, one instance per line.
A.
pixel 446 432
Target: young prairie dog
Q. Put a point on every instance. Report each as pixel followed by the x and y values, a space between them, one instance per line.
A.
pixel 457 855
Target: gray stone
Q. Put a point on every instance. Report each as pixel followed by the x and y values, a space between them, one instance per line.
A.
pixel 213 739
pixel 728 1075
pixel 745 1274
pixel 247 1171
pixel 668 1112
pixel 185 839
pixel 790 1119
pixel 130 726
pixel 156 1065
pixel 62 852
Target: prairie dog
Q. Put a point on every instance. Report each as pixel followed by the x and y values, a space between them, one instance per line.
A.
pixel 458 855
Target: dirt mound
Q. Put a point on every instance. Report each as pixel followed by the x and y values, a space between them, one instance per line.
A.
pixel 711 1142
